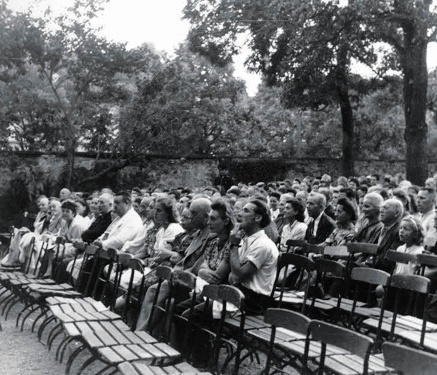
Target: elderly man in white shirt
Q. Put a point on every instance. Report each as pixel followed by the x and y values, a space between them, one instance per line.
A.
pixel 124 228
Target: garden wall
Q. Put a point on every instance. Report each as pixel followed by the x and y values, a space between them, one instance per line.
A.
pixel 23 176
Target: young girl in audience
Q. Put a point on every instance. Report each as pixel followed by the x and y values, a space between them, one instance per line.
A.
pixel 411 232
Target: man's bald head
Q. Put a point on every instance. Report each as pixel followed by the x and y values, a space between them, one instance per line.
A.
pixel 106 203
pixel 64 194
pixel 199 209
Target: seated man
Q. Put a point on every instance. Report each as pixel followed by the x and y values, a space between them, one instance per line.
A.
pixel 124 228
pixel 321 225
pixel 253 257
pixel 192 260
pixel 391 216
pixel 101 222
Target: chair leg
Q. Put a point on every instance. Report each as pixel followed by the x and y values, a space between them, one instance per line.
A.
pixel 55 333
pixel 6 301
pixel 10 306
pixel 21 313
pixel 72 357
pixel 87 363
pixel 44 324
pixel 27 315
pixel 62 347
pixel 104 369
pixel 32 310
pixel 43 313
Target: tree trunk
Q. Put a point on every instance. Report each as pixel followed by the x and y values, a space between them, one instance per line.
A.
pixel 70 149
pixel 347 117
pixel 415 91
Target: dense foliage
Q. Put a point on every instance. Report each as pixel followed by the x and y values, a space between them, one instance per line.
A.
pixel 65 88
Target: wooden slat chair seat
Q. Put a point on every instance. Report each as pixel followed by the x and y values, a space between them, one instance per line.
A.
pixel 392 326
pixel 26 276
pixel 112 342
pixel 138 368
pixel 414 338
pixel 289 344
pixel 409 361
pixel 357 361
pixel 34 294
pixel 57 295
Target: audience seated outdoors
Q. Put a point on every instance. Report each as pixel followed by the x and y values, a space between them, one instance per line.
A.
pixel 234 234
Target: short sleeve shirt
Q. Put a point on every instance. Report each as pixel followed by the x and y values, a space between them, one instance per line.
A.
pixel 262 252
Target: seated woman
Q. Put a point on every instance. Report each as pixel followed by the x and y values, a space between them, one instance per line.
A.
pixel 50 229
pixel 295 227
pixel 345 217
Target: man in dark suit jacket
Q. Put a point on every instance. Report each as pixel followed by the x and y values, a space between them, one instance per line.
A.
pixel 391 216
pixel 321 225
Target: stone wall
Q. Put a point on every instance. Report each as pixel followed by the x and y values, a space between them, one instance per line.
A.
pixel 25 176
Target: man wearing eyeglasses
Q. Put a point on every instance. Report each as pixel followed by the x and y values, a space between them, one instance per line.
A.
pixel 253 257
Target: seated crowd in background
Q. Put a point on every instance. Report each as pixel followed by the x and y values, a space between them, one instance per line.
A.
pixel 235 235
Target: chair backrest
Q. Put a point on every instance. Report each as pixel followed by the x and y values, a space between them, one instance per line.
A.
pixel 311 248
pixel 400 257
pixel 336 251
pixel 292 244
pixel 288 319
pixel 301 280
pixel 134 293
pixel 417 288
pixel 330 334
pixel 164 273
pixel 362 247
pixel 103 289
pixel 36 256
pixel 327 270
pixel 292 321
pixel 409 361
pixel 123 263
pixel 370 277
pixel 426 260
pixel 429 242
